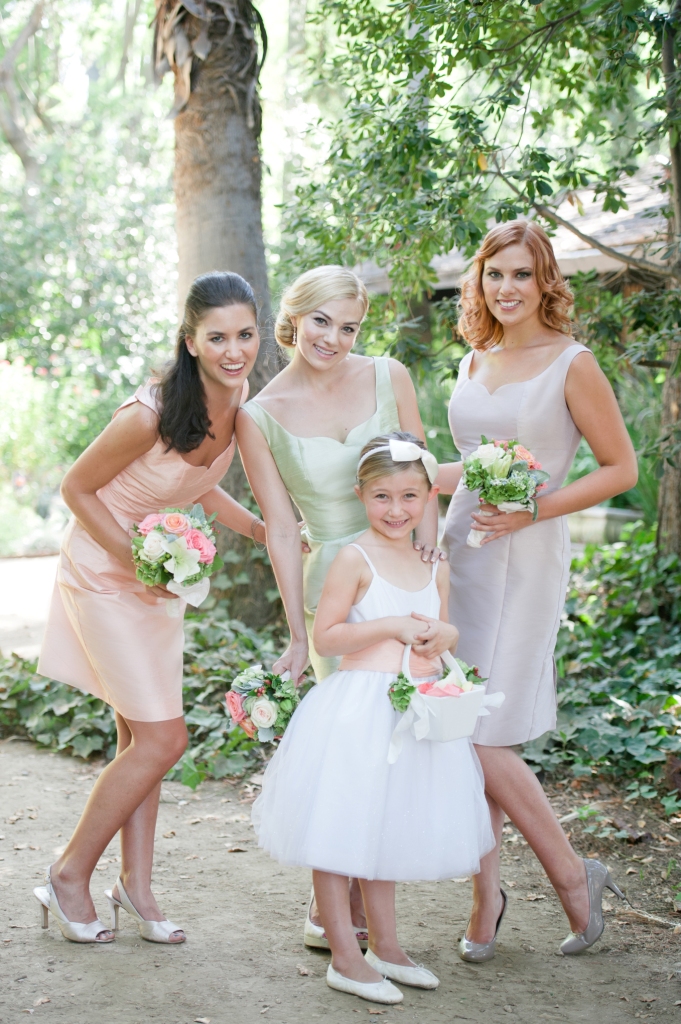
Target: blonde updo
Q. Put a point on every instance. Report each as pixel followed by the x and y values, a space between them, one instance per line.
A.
pixel 311 290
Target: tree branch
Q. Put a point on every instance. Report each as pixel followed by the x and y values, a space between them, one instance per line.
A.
pixel 633 261
pixel 9 113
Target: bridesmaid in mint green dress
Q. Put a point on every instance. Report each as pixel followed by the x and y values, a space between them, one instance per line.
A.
pixel 301 436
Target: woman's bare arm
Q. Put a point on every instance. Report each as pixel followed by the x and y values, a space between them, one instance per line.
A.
pixel 283 537
pixel 594 409
pixel 130 434
pixel 230 513
pixel 410 420
pixel 449 476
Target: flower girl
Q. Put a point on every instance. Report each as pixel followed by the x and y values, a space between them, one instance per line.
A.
pixel 330 799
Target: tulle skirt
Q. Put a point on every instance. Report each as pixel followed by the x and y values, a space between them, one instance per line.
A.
pixel 331 801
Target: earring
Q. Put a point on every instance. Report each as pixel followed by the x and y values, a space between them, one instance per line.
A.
pixel 295 335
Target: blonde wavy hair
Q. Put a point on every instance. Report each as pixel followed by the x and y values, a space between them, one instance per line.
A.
pixel 477 324
pixel 311 290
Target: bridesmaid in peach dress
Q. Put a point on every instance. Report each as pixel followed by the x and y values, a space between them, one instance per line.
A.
pixel 110 635
pixel 525 378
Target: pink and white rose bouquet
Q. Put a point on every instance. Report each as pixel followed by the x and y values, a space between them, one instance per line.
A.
pixel 262 702
pixel 507 475
pixel 176 548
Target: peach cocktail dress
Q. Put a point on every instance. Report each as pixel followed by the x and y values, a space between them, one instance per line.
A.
pixel 506 598
pixel 107 633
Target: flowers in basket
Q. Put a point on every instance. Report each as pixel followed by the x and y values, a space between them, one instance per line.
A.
pixel 176 548
pixel 263 702
pixel 403 689
pixel 507 475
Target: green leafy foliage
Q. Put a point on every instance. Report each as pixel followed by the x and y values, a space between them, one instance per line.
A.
pixel 216 650
pixel 401 692
pixel 619 686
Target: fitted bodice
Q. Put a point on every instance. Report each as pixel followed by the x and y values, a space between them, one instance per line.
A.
pixel 533 412
pixel 159 478
pixel 320 472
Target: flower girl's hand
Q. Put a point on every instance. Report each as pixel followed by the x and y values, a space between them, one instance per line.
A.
pixel 436 638
pixel 407 629
pixel 294 660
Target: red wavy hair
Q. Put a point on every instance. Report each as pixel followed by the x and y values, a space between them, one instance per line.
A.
pixel 477 324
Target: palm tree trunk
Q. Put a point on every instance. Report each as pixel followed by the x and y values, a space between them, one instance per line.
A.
pixel 215 49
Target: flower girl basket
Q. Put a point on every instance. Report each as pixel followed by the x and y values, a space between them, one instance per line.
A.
pixel 442 719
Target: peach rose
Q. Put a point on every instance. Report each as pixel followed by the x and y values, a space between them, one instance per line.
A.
pixel 149 522
pixel 199 542
pixel 235 706
pixel 175 522
pixel 248 727
pixel 521 454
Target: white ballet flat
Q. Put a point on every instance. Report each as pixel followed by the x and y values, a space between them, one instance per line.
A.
pixel 374 991
pixel 152 931
pixel 417 976
pixel 315 936
pixel 74 931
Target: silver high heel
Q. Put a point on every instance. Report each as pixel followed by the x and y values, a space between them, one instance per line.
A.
pixel 152 931
pixel 597 879
pixel 478 952
pixel 74 931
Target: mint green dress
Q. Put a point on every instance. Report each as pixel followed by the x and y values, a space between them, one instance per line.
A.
pixel 320 473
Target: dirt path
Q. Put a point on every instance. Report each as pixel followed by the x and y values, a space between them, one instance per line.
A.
pixel 245 961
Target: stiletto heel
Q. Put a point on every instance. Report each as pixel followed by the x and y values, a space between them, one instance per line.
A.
pixel 74 931
pixel 152 931
pixel 479 952
pixel 597 879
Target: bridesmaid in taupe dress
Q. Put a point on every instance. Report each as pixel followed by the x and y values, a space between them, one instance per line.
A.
pixel 525 378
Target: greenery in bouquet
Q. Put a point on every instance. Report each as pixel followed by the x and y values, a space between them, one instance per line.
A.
pixel 262 702
pixel 175 546
pixel 503 471
pixel 401 692
pixel 471 672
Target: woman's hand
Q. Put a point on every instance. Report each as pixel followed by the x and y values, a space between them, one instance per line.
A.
pixel 497 524
pixel 305 546
pixel 295 660
pixel 429 552
pixel 436 638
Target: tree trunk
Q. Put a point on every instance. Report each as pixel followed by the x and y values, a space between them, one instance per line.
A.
pixel 669 502
pixel 212 48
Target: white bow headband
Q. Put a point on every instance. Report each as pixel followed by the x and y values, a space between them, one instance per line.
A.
pixel 407 451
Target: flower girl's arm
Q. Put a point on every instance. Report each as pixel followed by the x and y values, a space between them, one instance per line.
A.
pixel 439 636
pixel 349 578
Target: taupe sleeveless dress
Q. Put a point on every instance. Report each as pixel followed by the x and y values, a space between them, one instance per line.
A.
pixel 507 597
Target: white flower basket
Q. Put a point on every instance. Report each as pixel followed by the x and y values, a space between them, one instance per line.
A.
pixel 442 719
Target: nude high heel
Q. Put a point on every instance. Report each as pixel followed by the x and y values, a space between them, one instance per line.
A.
pixel 597 879
pixel 314 935
pixel 479 952
pixel 74 931
pixel 152 931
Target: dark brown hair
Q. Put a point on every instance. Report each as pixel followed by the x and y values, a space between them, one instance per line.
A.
pixel 184 419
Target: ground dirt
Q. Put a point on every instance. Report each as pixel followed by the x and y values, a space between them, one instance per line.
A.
pixel 244 960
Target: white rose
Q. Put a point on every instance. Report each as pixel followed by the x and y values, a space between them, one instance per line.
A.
pixel 153 546
pixel 488 454
pixel 264 713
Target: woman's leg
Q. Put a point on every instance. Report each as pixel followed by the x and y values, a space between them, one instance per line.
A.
pixel 137 846
pixel 356 907
pixel 120 790
pixel 333 900
pixel 515 788
pixel 487 899
pixel 379 903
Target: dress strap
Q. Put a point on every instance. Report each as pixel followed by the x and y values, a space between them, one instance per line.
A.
pixel 436 565
pixel 258 414
pixel 386 403
pixel 146 394
pixel 366 558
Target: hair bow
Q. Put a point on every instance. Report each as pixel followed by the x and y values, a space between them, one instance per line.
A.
pixel 407 451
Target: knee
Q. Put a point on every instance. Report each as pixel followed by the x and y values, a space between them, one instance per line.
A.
pixel 175 743
pixel 166 743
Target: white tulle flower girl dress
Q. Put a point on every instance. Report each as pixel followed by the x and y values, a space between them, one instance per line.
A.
pixel 331 801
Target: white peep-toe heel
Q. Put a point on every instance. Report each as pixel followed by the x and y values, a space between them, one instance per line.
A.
pixel 74 931
pixel 152 931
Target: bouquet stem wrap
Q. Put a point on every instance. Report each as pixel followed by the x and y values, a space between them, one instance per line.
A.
pixel 476 537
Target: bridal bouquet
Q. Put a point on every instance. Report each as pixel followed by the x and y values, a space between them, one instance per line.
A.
pixel 176 548
pixel 262 702
pixel 506 475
